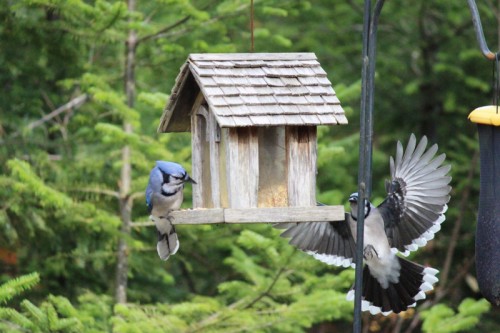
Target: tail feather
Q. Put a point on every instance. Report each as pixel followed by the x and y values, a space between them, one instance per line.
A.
pixel 167 244
pixel 414 280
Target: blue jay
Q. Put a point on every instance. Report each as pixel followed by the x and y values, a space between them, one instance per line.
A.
pixel 410 215
pixel 163 195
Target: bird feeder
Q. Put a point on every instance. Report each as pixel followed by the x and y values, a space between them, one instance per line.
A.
pixel 488 224
pixel 253 120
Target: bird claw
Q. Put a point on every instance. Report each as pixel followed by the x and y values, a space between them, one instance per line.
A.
pixel 369 252
pixel 168 217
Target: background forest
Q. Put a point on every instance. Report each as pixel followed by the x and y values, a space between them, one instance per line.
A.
pixel 83 85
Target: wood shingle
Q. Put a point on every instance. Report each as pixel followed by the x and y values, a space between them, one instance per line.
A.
pixel 254 89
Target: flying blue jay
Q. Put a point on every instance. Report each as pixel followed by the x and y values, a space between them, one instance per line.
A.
pixel 417 197
pixel 163 195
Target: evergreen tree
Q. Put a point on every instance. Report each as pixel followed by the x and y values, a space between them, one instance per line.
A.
pixel 77 146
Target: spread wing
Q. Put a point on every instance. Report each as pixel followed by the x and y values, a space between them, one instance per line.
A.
pixel 329 242
pixel 416 196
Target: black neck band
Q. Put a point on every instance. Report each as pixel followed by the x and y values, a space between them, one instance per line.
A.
pixel 167 194
pixel 367 212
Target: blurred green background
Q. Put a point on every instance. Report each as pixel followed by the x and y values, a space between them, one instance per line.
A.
pixel 76 149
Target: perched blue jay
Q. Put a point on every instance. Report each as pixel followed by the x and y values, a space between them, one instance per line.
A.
pixel 163 195
pixel 412 212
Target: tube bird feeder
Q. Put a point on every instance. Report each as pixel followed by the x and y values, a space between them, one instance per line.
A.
pixel 487 119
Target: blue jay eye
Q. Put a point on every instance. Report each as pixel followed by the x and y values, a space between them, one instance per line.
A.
pixel 165 178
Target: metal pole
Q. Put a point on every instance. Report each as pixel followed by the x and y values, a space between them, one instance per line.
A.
pixel 358 280
pixel 365 143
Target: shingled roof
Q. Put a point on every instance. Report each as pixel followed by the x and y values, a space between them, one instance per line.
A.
pixel 254 89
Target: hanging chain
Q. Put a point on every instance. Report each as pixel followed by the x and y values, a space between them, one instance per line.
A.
pixel 496 80
pixel 251 26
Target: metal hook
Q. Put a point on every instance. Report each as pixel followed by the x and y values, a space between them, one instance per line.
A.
pixel 476 21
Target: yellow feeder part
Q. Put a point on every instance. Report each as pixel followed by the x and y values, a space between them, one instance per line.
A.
pixel 486 115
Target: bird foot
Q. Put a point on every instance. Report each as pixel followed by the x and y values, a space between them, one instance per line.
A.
pixel 168 217
pixel 156 219
pixel 369 252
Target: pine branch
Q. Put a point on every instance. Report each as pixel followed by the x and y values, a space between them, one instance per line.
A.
pixel 18 285
pixel 97 190
pixel 34 312
pixel 165 29
pixel 15 320
pixel 267 291
pixel 220 316
pixel 74 103
pixel 136 195
pixel 212 320
pixel 170 33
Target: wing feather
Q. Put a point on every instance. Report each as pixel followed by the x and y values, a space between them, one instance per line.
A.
pixel 330 242
pixel 417 195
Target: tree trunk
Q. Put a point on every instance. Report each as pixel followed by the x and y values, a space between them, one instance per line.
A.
pixel 430 106
pixel 126 172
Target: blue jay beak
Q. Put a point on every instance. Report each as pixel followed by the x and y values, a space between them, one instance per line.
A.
pixel 190 180
pixel 353 198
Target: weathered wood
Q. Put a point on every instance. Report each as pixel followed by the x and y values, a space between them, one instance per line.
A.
pixel 197 168
pixel 247 170
pixel 198 216
pixel 197 146
pixel 175 117
pixel 255 143
pixel 268 82
pixel 301 159
pixel 223 164
pixel 206 164
pixel 259 215
pixel 252 172
pixel 231 141
pixel 214 139
pixel 242 167
pixel 284 214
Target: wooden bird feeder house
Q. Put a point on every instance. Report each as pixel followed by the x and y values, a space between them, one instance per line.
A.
pixel 253 120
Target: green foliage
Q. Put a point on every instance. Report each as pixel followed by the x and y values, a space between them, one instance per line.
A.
pixel 278 290
pixel 18 285
pixel 95 312
pixel 54 315
pixel 60 175
pixel 442 319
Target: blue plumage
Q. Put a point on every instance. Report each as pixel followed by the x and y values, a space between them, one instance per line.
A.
pixel 157 177
pixel 163 195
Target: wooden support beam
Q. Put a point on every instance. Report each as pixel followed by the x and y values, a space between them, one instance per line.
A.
pixel 258 215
